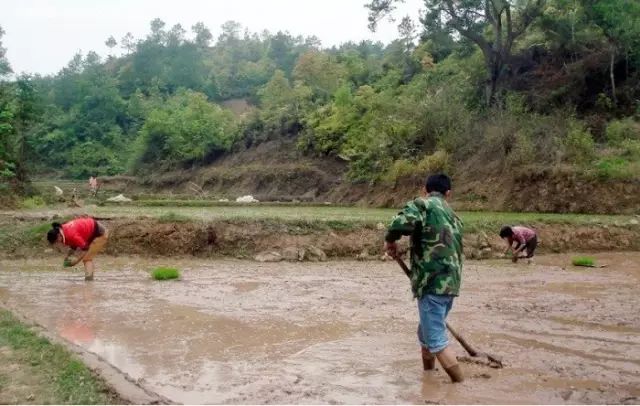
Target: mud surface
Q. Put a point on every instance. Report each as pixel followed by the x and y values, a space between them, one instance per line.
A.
pixel 344 332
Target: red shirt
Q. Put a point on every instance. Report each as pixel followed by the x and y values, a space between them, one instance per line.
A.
pixel 79 233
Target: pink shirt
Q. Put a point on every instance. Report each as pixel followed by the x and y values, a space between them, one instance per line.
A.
pixel 522 234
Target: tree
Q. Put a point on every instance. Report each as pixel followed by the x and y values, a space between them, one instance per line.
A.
pixel 25 115
pixel 492 25
pixel 619 21
pixel 230 31
pixel 128 43
pixel 5 68
pixel 157 31
pixel 203 35
pixel 185 129
pixel 7 162
pixel 319 71
pixel 111 43
pixel 175 36
pixel 407 31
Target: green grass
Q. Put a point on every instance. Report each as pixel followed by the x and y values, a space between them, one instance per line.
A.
pixel 341 217
pixel 173 217
pixel 33 202
pixel 617 168
pixel 583 261
pixel 50 372
pixel 163 274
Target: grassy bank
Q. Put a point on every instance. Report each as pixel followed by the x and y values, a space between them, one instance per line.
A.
pixel 342 232
pixel 35 371
pixel 288 213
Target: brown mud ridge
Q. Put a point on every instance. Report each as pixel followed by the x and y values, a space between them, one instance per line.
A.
pixel 343 332
pixel 270 241
pixel 277 171
pixel 287 242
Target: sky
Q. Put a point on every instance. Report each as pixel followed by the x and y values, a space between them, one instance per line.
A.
pixel 43 35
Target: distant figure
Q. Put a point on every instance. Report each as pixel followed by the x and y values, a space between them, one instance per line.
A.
pixel 84 234
pixel 74 199
pixel 524 239
pixel 93 186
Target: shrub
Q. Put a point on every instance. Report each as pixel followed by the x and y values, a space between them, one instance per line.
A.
pixel 579 145
pixel 434 163
pixel 33 202
pixel 187 128
pixel 399 169
pixel 620 130
pixel 631 149
pixel 522 150
pixel 617 168
pixel 583 261
pixel 162 273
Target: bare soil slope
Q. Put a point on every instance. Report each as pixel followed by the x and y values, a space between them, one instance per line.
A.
pixel 276 171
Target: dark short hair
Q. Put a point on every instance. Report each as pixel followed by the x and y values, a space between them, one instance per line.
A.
pixel 52 235
pixel 505 232
pixel 438 183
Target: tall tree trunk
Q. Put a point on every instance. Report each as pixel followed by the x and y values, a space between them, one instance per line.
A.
pixel 612 75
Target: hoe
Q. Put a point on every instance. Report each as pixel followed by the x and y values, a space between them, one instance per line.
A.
pixel 494 361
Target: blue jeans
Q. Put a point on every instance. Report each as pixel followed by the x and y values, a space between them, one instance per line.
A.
pixel 432 330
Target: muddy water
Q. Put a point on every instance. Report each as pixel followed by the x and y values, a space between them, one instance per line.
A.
pixel 344 332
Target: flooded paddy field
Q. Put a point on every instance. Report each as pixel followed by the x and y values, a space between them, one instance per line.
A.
pixel 343 332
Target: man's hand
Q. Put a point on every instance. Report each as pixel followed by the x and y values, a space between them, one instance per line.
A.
pixel 392 249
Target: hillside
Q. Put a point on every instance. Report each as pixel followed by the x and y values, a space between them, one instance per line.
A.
pixel 537 113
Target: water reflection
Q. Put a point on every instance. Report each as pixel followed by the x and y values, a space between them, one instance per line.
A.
pixel 81 326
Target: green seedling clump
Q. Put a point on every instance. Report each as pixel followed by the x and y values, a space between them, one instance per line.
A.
pixel 583 261
pixel 163 274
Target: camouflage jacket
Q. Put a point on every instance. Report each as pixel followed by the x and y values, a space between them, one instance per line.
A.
pixel 436 244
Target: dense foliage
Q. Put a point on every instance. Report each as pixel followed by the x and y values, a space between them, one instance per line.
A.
pixel 508 82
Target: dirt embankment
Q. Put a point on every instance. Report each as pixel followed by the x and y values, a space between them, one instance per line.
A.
pixel 274 241
pixel 276 171
pixel 248 240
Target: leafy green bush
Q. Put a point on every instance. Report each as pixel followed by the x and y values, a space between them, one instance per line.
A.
pixel 522 150
pixel 434 163
pixel 94 159
pixel 579 145
pixel 33 202
pixel 163 274
pixel 187 128
pixel 617 168
pixel 630 149
pixel 399 169
pixel 402 168
pixel 583 261
pixel 621 130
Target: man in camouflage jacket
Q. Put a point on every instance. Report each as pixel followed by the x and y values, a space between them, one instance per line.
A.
pixel 436 267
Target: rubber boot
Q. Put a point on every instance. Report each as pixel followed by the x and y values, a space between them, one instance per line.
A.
pixel 455 373
pixel 428 360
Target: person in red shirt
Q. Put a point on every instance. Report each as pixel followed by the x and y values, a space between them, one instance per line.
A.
pixel 82 234
pixel 525 239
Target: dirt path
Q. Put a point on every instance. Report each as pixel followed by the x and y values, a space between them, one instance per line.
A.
pixel 344 332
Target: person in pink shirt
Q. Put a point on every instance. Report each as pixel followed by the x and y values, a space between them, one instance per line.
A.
pixel 525 239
